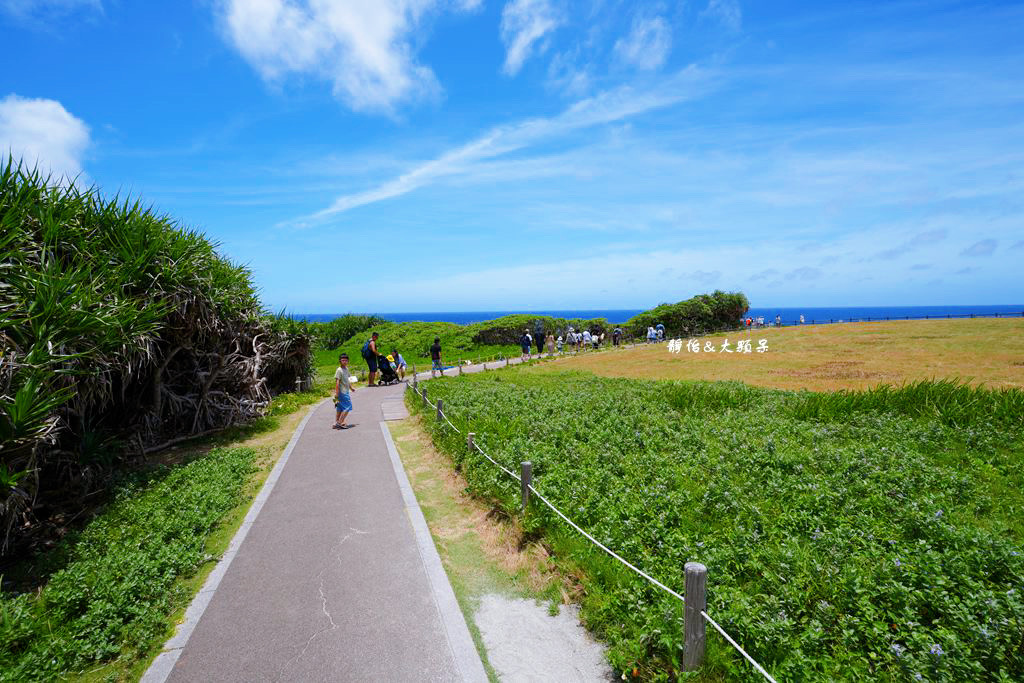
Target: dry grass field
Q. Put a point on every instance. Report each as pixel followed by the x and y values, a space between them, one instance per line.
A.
pixel 981 351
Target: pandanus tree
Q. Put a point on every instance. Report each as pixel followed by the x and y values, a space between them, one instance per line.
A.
pixel 120 332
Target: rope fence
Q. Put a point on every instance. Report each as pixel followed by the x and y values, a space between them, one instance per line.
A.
pixel 696 573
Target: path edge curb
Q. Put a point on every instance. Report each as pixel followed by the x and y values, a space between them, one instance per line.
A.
pixel 463 650
pixel 163 664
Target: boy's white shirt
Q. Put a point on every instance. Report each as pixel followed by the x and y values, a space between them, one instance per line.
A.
pixel 346 381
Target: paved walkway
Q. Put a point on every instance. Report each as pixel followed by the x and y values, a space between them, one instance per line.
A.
pixel 333 576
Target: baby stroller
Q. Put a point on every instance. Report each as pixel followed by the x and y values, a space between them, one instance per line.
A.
pixel 387 373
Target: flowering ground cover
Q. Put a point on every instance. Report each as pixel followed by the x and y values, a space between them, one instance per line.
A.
pixel 848 536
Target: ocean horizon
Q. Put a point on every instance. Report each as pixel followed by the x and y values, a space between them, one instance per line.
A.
pixel 789 315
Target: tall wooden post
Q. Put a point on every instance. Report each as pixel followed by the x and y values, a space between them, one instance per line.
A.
pixel 693 622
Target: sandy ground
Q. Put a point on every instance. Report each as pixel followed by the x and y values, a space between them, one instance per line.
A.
pixel 525 643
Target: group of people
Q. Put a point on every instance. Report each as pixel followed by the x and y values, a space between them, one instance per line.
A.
pixel 373 357
pixel 573 339
pixel 655 334
pixel 527 340
pixel 374 360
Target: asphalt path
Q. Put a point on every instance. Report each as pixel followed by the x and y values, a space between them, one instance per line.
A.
pixel 333 575
pixel 331 582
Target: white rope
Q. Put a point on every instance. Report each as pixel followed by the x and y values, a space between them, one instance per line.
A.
pixel 736 645
pixel 507 470
pixel 450 422
pixel 596 542
pixel 618 557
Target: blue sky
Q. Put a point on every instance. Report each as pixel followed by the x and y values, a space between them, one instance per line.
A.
pixel 418 155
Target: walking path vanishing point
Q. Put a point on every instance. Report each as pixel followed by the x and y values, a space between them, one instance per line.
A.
pixel 333 575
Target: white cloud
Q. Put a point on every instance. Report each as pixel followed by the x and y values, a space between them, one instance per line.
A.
pixel 647 45
pixel 524 24
pixel 363 47
pixel 603 108
pixel 727 12
pixel 42 132
pixel 566 75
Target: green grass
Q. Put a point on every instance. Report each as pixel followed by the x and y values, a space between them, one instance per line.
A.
pixel 865 537
pixel 111 597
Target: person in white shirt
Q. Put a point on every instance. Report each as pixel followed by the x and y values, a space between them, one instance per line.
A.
pixel 342 387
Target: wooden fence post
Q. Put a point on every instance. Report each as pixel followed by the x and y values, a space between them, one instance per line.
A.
pixel 460 366
pixel 527 479
pixel 424 393
pixel 440 415
pixel 693 622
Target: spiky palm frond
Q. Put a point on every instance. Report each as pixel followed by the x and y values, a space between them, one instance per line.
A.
pixel 118 325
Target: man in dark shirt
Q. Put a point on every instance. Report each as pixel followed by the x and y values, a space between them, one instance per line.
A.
pixel 370 355
pixel 435 358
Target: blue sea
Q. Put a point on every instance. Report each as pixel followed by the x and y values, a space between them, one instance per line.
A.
pixel 818 315
pixel 788 315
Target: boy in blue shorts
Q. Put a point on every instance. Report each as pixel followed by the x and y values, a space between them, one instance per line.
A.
pixel 342 387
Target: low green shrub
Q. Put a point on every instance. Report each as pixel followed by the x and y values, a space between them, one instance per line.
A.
pixel 333 333
pixel 702 314
pixel 117 587
pixel 880 544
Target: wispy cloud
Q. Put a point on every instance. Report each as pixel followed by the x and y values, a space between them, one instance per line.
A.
pixel 524 27
pixel 607 107
pixel 43 133
pixel 764 274
pixel 803 274
pixel 1018 245
pixel 705 277
pixel 647 45
pixel 917 241
pixel 365 49
pixel 727 12
pixel 982 248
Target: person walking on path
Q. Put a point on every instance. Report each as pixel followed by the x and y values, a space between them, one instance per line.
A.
pixel 550 343
pixel 524 344
pixel 342 387
pixel 587 339
pixel 538 336
pixel 435 358
pixel 370 355
pixel 616 336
